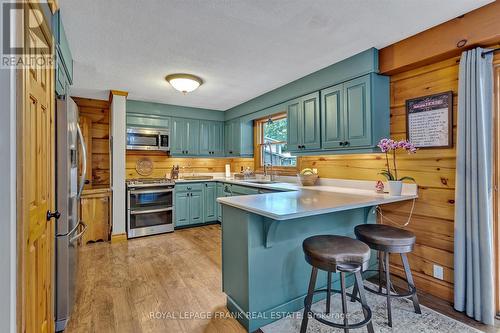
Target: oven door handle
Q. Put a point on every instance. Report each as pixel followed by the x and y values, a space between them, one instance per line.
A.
pixel 149 211
pixel 151 191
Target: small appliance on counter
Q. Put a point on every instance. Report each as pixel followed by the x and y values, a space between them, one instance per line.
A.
pixel 150 206
pixel 245 174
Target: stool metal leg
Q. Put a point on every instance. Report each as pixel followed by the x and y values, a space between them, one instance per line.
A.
pixel 354 292
pixel 388 287
pixel 380 270
pixel 328 292
pixel 359 285
pixel 344 300
pixel 309 298
pixel 409 278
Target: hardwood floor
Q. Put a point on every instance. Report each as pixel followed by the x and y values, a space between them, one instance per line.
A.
pixel 171 276
pixel 154 284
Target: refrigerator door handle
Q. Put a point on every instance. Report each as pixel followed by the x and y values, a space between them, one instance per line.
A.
pixel 84 161
pixel 80 234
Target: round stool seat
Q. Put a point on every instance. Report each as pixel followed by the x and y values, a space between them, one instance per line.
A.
pixel 385 238
pixel 327 252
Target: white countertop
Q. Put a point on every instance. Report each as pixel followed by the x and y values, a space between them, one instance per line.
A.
pixel 299 201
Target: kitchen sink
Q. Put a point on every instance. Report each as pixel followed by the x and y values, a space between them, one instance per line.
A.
pixel 261 181
pixel 197 177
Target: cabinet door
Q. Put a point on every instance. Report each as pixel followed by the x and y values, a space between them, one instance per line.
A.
pixel 311 138
pixel 192 146
pixel 181 209
pixel 332 117
pixel 218 139
pixel 94 212
pixel 177 145
pixel 220 193
pixel 231 138
pixel 195 207
pixel 210 208
pixel 294 133
pixel 357 112
pixel 206 137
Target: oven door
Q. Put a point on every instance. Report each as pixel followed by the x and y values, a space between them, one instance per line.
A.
pixel 150 211
pixel 150 222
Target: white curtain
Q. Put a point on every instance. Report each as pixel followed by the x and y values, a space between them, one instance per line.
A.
pixel 474 258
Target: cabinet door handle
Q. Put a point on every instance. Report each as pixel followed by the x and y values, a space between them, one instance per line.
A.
pixel 303 147
pixel 346 143
pixel 341 143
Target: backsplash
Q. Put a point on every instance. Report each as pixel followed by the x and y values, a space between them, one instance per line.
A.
pixel 162 164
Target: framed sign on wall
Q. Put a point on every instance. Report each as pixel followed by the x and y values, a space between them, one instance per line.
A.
pixel 429 120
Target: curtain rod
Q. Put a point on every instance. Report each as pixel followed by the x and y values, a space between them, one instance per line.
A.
pixel 490 51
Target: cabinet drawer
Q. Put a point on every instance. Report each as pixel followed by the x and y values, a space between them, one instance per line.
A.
pixel 188 187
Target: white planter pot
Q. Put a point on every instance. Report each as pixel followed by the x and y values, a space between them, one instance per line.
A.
pixel 395 187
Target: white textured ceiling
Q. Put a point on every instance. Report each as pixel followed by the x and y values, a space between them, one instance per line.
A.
pixel 240 48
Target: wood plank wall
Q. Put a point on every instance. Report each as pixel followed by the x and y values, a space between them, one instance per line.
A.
pixel 162 164
pixel 97 111
pixel 433 169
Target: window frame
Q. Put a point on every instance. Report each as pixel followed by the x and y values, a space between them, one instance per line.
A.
pixel 259 142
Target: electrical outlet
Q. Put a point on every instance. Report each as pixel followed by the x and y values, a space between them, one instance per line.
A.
pixel 438 272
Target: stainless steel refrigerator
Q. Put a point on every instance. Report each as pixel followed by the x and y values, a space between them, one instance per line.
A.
pixel 69 228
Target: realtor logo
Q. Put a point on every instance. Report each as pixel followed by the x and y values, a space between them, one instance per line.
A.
pixel 23 39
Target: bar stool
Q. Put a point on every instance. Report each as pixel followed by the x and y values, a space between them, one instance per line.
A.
pixel 387 239
pixel 336 254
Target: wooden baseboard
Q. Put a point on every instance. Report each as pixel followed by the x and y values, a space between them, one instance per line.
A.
pixel 117 238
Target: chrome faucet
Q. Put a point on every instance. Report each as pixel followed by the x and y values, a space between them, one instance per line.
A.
pixel 270 165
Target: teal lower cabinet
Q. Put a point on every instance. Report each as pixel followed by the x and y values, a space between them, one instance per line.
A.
pixel 243 190
pixel 181 209
pixel 220 193
pixel 196 203
pixel 264 273
pixel 210 202
pixel 188 204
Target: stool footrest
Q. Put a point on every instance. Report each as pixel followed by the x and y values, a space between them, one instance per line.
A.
pixel 411 292
pixel 360 324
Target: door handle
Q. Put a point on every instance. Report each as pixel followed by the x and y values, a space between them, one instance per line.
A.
pixel 54 214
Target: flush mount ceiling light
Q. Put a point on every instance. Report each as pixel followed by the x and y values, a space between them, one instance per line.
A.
pixel 185 83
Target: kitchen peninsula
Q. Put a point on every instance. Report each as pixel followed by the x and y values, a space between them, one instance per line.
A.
pixel 264 272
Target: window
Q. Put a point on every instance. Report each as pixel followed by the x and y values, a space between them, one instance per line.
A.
pixel 273 145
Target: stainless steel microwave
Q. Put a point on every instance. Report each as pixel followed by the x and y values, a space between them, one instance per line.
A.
pixel 140 138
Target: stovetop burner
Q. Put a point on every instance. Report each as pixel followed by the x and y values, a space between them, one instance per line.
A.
pixel 150 181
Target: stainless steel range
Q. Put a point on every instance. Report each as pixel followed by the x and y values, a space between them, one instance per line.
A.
pixel 150 207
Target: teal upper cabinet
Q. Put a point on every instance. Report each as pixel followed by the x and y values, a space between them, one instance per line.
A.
pixel 185 137
pixel 64 59
pixel 332 114
pixel 304 123
pixel 238 137
pixel 143 120
pixel 211 138
pixel 355 114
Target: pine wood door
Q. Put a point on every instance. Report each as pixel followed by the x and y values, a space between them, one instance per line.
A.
pixel 36 181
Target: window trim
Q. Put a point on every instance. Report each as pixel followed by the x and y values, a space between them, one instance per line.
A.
pixel 258 143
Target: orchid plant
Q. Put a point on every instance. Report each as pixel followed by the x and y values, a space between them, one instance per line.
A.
pixel 387 146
